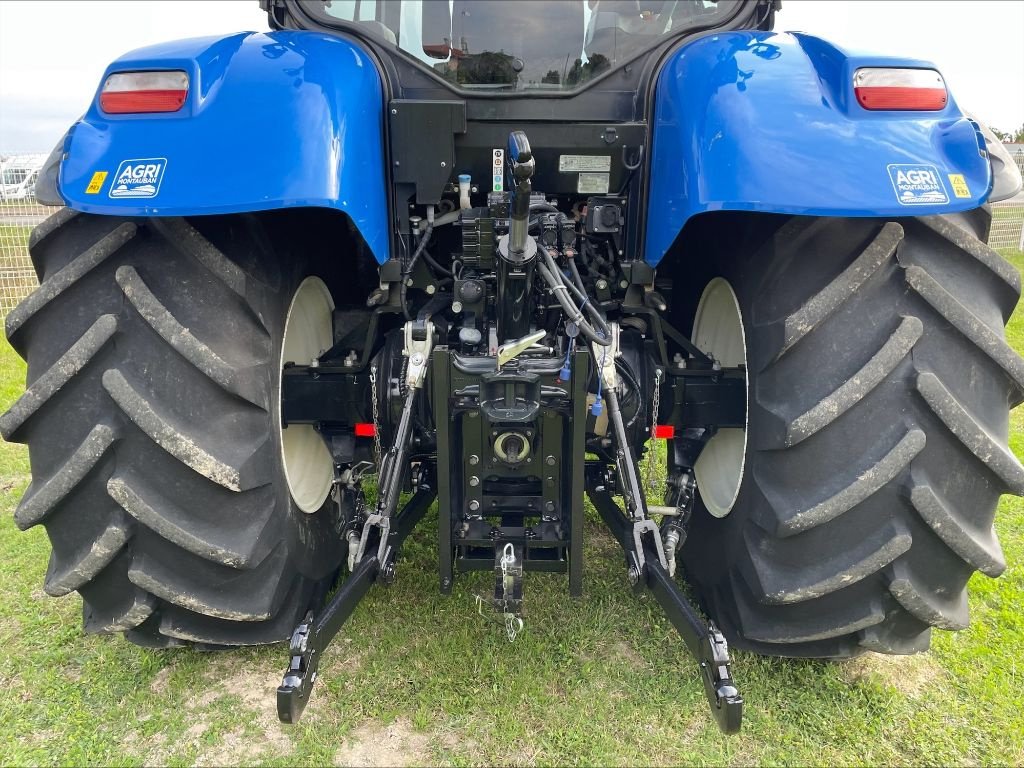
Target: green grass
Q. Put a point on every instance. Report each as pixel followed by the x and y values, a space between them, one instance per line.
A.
pixel 420 678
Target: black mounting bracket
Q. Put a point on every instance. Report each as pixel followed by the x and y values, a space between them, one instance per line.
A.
pixel 423 144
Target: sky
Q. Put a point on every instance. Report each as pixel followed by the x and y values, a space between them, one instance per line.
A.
pixel 978 46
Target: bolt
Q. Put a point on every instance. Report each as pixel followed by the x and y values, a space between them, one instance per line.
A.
pixel 622 283
pixel 431 289
pixel 394 111
pixel 549 506
pixel 456 306
pixel 474 459
pixel 444 164
pixel 474 505
pixel 550 461
pixel 416 359
pixel 474 481
pixel 601 284
pixel 408 282
pixel 446 582
pixel 397 163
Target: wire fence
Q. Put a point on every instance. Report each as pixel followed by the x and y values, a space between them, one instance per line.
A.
pixel 20 213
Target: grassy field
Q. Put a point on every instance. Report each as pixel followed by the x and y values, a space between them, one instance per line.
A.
pixel 420 678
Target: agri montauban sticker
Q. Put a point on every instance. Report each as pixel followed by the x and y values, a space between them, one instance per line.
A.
pixel 918 185
pixel 138 178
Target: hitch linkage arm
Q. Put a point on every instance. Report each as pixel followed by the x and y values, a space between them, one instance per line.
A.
pixel 648 566
pixel 318 629
pixel 311 638
pixel 703 639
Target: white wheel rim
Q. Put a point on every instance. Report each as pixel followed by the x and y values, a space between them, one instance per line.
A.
pixel 718 332
pixel 308 333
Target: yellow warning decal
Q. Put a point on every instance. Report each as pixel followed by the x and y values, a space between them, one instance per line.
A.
pixel 96 183
pixel 959 184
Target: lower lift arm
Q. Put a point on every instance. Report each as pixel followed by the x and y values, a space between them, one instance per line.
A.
pixel 382 535
pixel 640 537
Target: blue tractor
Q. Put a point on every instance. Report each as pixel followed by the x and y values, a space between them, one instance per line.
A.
pixel 490 254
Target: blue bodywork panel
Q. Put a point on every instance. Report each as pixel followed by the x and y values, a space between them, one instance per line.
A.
pixel 763 121
pixel 272 121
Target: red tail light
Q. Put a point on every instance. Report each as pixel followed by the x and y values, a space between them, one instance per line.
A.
pixel 664 431
pixel 879 88
pixel 138 92
pixel 366 429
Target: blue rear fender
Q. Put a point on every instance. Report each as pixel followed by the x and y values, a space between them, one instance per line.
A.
pixel 275 120
pixel 762 121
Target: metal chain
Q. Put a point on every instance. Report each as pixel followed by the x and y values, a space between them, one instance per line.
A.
pixel 652 451
pixel 376 417
pixel 513 623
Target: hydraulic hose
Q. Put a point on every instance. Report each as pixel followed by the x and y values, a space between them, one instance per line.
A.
pixel 598 332
pixel 436 266
pixel 415 257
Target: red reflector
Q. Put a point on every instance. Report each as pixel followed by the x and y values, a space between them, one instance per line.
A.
pixel 664 431
pixel 121 102
pixel 366 430
pixel 149 91
pixel 899 88
pixel 928 99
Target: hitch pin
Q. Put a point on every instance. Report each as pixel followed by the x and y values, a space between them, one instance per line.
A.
pixel 513 623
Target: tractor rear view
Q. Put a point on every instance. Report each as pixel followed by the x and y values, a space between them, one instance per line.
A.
pixel 486 255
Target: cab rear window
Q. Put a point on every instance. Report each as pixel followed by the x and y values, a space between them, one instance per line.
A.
pixel 497 45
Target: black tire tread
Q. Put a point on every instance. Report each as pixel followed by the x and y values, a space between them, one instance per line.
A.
pixel 59 374
pixel 54 286
pixel 871 486
pixel 67 574
pixel 851 392
pixel 981 335
pixel 148 415
pixel 232 377
pixel 43 496
pixel 825 303
pixel 989 450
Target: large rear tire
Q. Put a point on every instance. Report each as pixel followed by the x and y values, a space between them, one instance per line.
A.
pixel 152 421
pixel 879 387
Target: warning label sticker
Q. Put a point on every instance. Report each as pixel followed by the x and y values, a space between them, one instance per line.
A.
pixel 917 184
pixel 579 163
pixel 959 185
pixel 96 182
pixel 498 170
pixel 138 178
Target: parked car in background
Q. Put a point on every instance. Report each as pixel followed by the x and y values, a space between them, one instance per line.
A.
pixel 18 177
